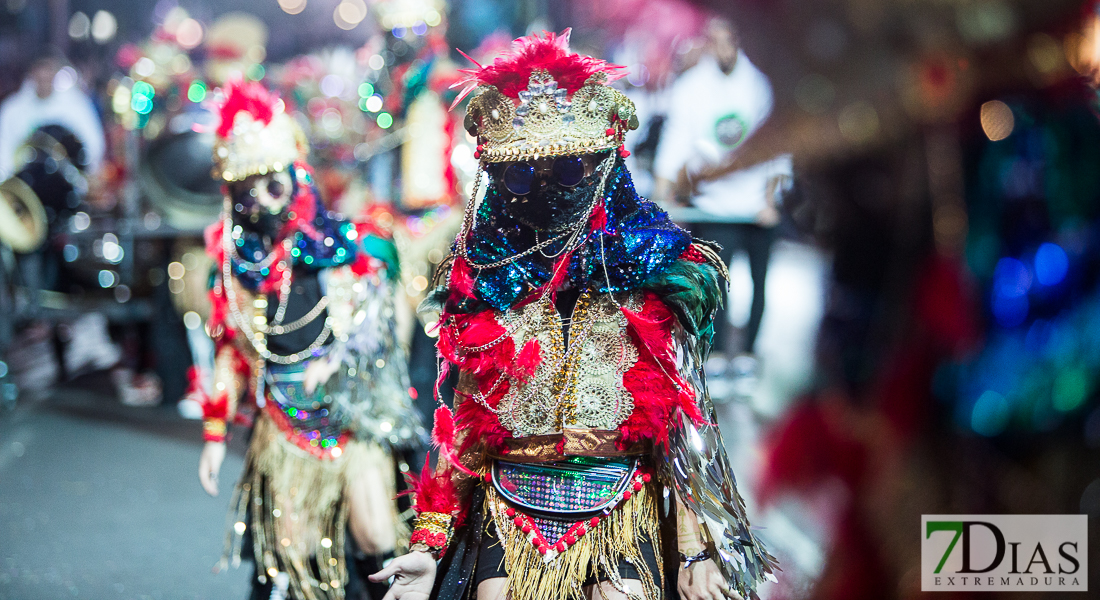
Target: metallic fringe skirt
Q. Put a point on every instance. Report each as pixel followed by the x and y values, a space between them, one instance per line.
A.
pixel 532 576
pixel 293 504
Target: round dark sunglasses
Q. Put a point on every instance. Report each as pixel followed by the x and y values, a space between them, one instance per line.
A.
pixel 520 177
pixel 246 194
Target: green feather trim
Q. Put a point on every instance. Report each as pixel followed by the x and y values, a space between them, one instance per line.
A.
pixel 385 251
pixel 691 290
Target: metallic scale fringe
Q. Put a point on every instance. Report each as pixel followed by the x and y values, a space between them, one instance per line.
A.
pixel 532 577
pixel 704 482
pixel 298 516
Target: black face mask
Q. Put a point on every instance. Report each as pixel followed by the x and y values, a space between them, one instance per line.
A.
pixel 255 218
pixel 554 207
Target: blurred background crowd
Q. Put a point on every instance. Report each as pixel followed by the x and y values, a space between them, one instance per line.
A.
pixel 908 193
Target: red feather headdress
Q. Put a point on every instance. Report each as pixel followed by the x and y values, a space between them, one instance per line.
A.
pixel 249 97
pixel 511 71
pixel 255 136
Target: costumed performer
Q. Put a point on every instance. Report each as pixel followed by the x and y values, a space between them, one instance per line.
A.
pixel 303 319
pixel 582 458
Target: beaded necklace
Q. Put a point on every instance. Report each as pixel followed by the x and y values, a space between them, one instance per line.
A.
pixel 256 329
pixel 573 231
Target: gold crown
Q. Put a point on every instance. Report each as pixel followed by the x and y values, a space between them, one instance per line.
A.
pixel 257 148
pixel 547 122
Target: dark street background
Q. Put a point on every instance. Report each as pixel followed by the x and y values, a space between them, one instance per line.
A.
pixel 98 500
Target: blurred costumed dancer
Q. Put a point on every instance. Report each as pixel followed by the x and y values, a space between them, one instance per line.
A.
pixel 578 317
pixel 303 320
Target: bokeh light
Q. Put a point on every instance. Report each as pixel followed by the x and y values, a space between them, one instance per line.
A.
pixel 1051 264
pixel 104 27
pixel 80 26
pixel 352 11
pixel 144 67
pixel 189 33
pixel 65 79
pixel 1011 278
pixel 292 7
pixel 997 120
pixel 349 13
pixel 858 122
pixel 196 92
pixel 332 85
pixel 1071 389
pixel 1045 53
pixel 990 415
pixel 141 99
pixel 108 278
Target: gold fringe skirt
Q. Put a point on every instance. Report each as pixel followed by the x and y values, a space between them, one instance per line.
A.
pixel 294 504
pixel 534 576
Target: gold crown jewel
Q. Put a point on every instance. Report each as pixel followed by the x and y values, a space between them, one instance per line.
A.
pixel 542 95
pixel 547 121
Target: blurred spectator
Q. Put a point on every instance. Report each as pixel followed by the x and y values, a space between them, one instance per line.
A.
pixel 50 112
pixel 50 95
pixel 715 106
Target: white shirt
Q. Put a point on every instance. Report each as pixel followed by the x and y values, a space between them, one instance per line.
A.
pixel 710 115
pixel 24 112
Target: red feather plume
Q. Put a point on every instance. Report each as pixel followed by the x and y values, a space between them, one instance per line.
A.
pixel 443 433
pixel 434 492
pixel 249 97
pixel 443 436
pixel 511 71
pixel 461 277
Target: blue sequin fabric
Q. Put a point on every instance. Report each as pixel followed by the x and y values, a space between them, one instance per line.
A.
pixel 640 241
pixel 310 416
pixel 331 249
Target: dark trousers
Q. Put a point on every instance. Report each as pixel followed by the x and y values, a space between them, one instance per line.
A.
pixel 757 242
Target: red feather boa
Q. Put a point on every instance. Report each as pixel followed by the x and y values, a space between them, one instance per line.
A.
pixel 654 381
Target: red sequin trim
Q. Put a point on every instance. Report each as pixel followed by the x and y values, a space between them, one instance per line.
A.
pixel 527 525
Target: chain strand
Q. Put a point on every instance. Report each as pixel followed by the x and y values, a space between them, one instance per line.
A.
pixel 255 335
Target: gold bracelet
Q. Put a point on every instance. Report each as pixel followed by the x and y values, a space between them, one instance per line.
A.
pixel 432 529
pixel 213 430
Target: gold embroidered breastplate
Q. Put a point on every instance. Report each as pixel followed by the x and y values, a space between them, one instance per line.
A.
pixel 579 387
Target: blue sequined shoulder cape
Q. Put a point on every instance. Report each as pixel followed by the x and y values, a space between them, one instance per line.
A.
pixel 639 242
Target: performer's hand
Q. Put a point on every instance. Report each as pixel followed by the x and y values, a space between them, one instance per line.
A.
pixel 210 463
pixel 703 581
pixel 768 216
pixel 317 373
pixel 684 188
pixel 413 576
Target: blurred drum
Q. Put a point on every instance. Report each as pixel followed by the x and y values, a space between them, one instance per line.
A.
pixel 51 163
pixel 22 218
pixel 175 175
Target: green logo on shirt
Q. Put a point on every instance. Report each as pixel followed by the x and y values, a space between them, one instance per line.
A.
pixel 730 130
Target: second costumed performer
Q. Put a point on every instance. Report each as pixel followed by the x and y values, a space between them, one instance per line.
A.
pixel 582 459
pixel 303 320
